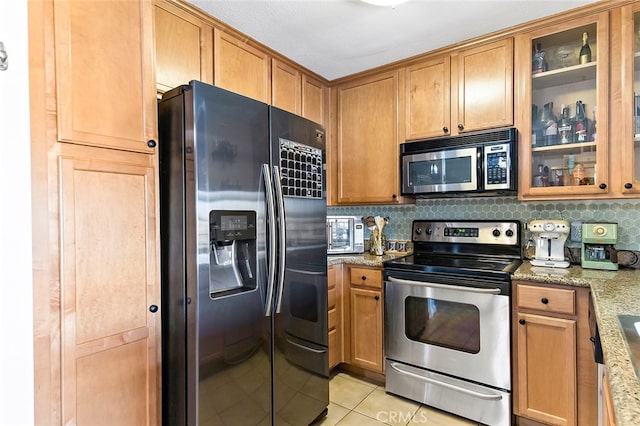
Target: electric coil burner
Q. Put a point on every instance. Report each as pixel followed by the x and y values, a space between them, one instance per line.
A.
pixel 447 318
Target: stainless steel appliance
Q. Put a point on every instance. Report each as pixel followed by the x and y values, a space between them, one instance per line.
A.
pixel 481 164
pixel 244 286
pixel 550 236
pixel 447 309
pixel 345 234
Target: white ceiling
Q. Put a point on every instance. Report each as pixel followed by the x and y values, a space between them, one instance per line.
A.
pixel 335 38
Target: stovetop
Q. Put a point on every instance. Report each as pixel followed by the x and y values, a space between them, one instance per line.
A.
pixel 482 249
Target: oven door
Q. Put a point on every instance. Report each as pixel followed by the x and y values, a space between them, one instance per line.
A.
pixel 449 326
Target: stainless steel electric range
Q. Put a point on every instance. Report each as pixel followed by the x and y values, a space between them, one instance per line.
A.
pixel 447 317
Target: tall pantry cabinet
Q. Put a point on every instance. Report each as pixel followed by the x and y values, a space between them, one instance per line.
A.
pixel 96 280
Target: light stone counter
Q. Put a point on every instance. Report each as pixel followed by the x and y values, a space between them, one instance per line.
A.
pixel 613 293
pixel 364 259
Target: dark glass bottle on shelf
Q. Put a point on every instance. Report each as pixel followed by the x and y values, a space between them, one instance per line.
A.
pixel 565 127
pixel 585 50
pixel 539 63
pixel 550 124
pixel 580 124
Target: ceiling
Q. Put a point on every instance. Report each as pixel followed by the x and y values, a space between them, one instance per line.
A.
pixel 335 38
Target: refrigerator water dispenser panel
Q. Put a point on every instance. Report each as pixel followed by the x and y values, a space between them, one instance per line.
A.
pixel 232 257
pixel 301 168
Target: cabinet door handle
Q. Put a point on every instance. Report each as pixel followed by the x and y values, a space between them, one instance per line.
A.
pixel 460 126
pixel 153 309
pixel 544 300
pixel 445 129
pixel 602 186
pixel 364 278
pixel 394 196
pixel 151 143
pixel 376 297
pixel 628 185
pixel 523 322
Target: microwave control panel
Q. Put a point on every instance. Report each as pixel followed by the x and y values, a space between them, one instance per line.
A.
pixel 497 167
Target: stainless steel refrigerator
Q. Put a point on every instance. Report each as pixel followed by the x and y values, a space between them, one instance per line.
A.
pixel 243 261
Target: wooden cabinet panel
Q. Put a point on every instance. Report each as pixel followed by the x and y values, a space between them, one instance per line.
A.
pixel 367 140
pixel 366 328
pixel 313 99
pixel 286 85
pixel 105 84
pixel 547 299
pixel 336 332
pixel 108 282
pixel 608 411
pixel 184 47
pixel 428 98
pixel 485 86
pixel 546 352
pixel 366 277
pixel 241 68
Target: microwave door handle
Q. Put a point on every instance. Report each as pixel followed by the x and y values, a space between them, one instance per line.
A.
pixel 446 286
pixel 282 236
pixel 271 252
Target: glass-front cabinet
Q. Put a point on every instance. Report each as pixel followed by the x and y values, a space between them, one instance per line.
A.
pixel 564 143
pixel 629 118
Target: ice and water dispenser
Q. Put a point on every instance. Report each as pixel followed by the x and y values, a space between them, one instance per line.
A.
pixel 232 263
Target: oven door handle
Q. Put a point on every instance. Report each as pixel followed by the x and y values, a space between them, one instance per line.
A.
pixel 475 394
pixel 446 286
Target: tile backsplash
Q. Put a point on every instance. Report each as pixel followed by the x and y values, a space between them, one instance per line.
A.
pixel 625 212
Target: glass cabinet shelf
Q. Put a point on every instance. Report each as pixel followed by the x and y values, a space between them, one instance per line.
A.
pixel 565 147
pixel 562 76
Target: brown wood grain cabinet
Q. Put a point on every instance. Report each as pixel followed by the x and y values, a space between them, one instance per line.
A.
pixel 366 309
pixel 555 375
pixel 241 67
pixel 334 284
pixel 608 410
pixel 96 289
pixel 564 83
pixel 469 90
pixel 286 87
pixel 367 140
pixel 183 47
pixel 315 97
pixel 105 83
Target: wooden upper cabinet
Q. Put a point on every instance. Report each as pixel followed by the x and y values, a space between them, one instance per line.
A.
pixel 484 86
pixel 286 84
pixel 313 99
pixel 428 98
pixel 109 280
pixel 240 67
pixel 105 81
pixel 184 47
pixel 367 140
pixel 470 90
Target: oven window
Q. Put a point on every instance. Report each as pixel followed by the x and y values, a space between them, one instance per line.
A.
pixel 442 323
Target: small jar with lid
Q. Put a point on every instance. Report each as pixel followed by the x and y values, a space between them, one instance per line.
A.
pixel 578 174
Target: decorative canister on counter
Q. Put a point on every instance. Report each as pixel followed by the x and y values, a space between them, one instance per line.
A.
pixel 402 246
pixel 392 245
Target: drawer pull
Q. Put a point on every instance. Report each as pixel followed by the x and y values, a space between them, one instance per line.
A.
pixel 544 300
pixel 364 278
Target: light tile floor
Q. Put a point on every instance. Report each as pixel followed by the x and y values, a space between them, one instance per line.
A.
pixel 355 402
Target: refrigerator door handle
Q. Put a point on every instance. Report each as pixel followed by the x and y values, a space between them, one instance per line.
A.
pixel 271 252
pixel 277 178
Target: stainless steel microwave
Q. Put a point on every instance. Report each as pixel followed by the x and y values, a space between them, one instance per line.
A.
pixel 480 164
pixel 345 234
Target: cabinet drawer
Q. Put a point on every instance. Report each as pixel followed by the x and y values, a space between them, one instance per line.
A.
pixel 366 277
pixel 332 296
pixel 333 319
pixel 547 299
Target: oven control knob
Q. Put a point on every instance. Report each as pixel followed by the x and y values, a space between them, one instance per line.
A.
pixel 509 232
pixel 418 231
pixel 496 232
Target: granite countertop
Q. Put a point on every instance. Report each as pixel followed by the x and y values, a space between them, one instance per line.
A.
pixel 364 259
pixel 613 293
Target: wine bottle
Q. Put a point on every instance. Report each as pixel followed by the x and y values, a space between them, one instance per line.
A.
pixel 585 51
pixel 580 124
pixel 565 128
pixel 551 125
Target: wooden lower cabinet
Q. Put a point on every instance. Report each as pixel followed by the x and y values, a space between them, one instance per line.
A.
pixel 334 284
pixel 555 375
pixel 365 325
pixel 608 411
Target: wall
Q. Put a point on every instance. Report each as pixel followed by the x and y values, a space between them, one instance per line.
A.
pixel 625 212
pixel 16 288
